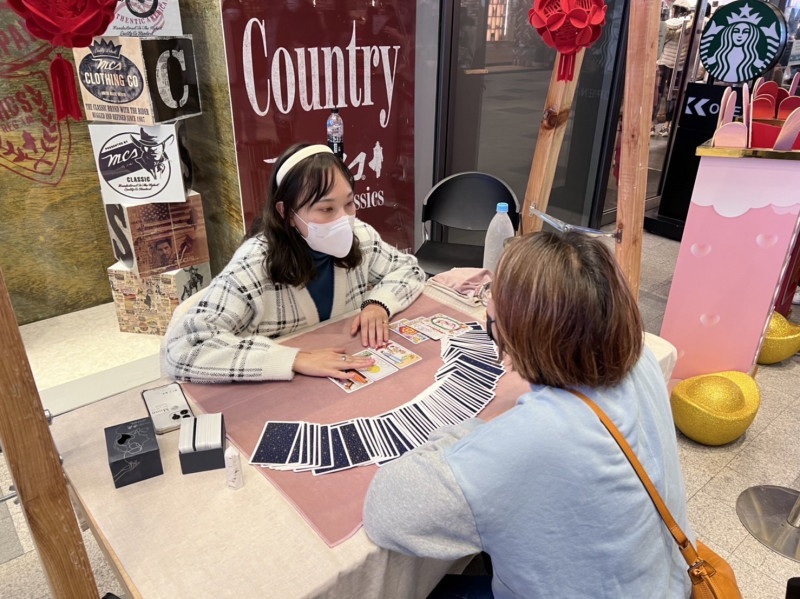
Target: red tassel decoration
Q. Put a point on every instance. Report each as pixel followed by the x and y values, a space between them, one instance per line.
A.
pixel 566 67
pixel 65 92
pixel 70 23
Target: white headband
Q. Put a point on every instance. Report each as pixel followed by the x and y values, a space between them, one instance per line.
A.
pixel 299 156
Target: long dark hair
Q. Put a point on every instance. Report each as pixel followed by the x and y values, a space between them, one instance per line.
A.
pixel 289 259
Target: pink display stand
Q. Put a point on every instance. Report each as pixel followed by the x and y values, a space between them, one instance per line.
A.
pixel 783 305
pixel 740 229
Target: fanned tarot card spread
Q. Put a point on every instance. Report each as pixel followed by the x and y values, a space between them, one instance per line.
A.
pixel 462 387
pixel 391 356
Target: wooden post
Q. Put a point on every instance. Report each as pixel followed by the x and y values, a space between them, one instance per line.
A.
pixel 548 145
pixel 640 75
pixel 36 468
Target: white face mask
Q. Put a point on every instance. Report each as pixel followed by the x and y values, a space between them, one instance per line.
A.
pixel 334 238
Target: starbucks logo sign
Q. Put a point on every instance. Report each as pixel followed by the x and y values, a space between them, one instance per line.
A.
pixel 742 41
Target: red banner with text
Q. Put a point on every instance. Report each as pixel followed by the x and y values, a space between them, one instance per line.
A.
pixel 291 62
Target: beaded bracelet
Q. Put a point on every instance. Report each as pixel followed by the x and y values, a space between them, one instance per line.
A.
pixel 367 302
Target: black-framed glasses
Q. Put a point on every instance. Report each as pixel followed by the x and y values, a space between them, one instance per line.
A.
pixel 566 227
pixel 489 322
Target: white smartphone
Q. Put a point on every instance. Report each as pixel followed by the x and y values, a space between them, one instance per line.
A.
pixel 167 406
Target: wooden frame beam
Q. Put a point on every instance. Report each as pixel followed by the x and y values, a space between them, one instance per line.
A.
pixel 637 102
pixel 36 468
pixel 548 145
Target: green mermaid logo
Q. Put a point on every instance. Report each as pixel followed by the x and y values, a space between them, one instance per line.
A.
pixel 742 41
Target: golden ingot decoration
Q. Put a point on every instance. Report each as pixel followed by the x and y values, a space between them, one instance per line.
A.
pixel 715 409
pixel 781 342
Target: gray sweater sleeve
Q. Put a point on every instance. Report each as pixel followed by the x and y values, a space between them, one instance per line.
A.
pixel 415 505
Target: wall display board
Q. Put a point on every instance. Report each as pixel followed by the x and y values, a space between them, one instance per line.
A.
pixel 290 63
pixel 743 40
pixel 51 215
pixel 794 55
pixel 697 122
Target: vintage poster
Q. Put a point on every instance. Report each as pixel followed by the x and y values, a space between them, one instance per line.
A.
pixel 143 18
pixel 153 238
pixel 290 63
pixel 139 81
pixel 138 165
pixel 146 304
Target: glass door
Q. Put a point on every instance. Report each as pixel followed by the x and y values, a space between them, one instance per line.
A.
pixel 493 85
pixel 683 116
pixel 692 106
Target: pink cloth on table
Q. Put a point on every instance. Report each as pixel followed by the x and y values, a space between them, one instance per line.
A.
pixel 464 284
pixel 332 504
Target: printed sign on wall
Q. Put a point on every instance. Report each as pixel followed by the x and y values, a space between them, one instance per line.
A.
pixel 742 40
pixel 142 18
pixel 155 237
pixel 137 165
pixel 143 81
pixel 290 63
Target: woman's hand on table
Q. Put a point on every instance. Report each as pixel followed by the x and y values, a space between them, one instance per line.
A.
pixel 331 361
pixel 374 324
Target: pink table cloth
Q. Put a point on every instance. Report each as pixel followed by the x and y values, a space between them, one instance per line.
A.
pixel 332 504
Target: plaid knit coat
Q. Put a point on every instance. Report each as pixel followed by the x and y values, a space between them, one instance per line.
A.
pixel 229 334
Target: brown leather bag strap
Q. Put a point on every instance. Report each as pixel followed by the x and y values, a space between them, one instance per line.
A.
pixel 687 549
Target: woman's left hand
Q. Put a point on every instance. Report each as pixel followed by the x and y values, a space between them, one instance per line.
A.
pixel 374 324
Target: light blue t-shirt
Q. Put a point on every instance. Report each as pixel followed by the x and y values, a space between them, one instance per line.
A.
pixel 547 492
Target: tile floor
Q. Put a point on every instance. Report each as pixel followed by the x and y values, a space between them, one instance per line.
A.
pixel 768 453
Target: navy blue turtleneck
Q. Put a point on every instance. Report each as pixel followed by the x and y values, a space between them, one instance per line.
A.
pixel 321 288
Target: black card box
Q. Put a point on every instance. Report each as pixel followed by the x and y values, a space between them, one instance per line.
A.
pixel 200 461
pixel 133 452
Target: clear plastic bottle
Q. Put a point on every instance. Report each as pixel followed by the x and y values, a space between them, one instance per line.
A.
pixel 335 130
pixel 500 229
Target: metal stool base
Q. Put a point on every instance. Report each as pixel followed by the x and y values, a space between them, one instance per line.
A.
pixel 763 510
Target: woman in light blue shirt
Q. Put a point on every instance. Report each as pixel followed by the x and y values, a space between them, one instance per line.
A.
pixel 543 488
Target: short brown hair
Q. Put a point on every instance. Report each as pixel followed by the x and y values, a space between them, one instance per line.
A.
pixel 564 312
